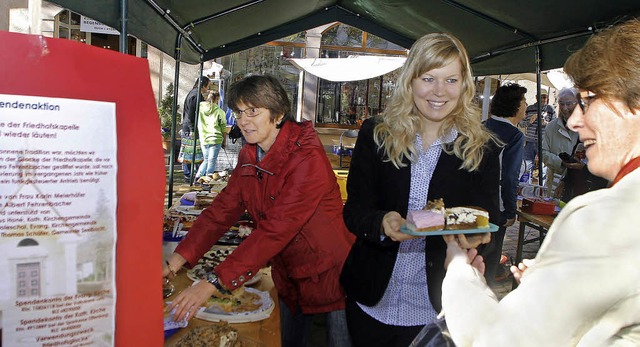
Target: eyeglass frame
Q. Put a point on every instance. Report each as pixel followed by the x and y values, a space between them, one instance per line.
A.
pixel 249 112
pixel 584 106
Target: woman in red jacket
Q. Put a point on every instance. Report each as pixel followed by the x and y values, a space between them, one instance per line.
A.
pixel 285 182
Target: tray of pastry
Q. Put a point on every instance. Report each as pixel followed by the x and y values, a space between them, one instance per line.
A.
pixel 492 228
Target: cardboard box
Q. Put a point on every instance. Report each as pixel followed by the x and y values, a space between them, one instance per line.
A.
pixel 538 206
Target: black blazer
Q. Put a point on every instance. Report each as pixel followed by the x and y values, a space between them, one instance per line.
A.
pixel 376 187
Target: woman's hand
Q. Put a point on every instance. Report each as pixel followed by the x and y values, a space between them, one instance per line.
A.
pixel 521 268
pixel 391 223
pixel 172 265
pixel 189 301
pixel 509 222
pixel 455 251
pixel 468 241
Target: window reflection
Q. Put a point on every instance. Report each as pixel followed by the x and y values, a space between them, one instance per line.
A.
pixel 350 103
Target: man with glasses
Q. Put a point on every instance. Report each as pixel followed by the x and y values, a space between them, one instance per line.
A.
pixel 530 123
pixel 557 138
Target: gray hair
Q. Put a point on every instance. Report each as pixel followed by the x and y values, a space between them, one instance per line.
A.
pixel 568 91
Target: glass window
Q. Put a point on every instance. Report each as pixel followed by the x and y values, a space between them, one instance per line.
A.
pixel 75 19
pixel 78 35
pixel 144 50
pixel 63 33
pixel 63 17
pixel 349 103
pixel 295 38
pixel 374 41
pixel 342 35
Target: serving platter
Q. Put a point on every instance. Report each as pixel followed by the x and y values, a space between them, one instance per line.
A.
pixel 492 228
pixel 214 314
pixel 216 255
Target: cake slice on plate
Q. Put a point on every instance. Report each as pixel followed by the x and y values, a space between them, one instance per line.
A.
pixel 431 218
pixel 458 218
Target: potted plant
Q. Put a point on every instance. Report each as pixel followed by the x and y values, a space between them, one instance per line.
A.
pixel 164 111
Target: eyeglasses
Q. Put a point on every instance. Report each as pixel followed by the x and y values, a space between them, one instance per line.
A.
pixel 567 103
pixel 249 112
pixel 585 100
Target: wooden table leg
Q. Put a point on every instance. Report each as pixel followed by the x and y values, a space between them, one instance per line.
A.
pixel 523 224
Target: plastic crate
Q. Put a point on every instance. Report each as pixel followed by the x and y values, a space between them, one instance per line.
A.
pixel 538 206
pixel 341 177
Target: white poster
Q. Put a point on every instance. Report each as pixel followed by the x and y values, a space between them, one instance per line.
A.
pixel 89 25
pixel 57 221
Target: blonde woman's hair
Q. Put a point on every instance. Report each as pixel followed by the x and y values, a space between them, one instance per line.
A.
pixel 401 120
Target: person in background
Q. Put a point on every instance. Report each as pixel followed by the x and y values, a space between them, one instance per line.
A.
pixel 530 124
pixel 578 179
pixel 212 125
pixel 284 180
pixel 508 107
pixel 558 139
pixel 189 115
pixel 428 144
pixel 583 289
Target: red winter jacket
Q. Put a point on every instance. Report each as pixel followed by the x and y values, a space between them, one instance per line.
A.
pixel 294 199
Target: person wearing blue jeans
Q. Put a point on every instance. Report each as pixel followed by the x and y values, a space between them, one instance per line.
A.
pixel 508 107
pixel 211 130
pixel 189 115
pixel 531 133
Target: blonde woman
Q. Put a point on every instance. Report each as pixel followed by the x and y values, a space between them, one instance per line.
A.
pixel 428 144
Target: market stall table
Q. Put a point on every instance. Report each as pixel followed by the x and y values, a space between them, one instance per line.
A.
pixel 263 333
pixel 540 222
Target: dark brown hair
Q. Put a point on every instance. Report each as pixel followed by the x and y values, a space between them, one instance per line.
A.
pixel 261 91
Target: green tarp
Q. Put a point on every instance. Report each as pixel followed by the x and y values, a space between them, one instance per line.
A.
pixel 500 35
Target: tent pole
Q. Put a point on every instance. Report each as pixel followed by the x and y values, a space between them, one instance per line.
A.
pixel 166 15
pixel 539 119
pixel 174 112
pixel 124 47
pixel 194 135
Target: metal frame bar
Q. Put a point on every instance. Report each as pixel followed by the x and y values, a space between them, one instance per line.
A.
pixel 181 32
pixel 195 124
pixel 124 15
pixel 174 114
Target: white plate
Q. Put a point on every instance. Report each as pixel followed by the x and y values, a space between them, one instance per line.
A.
pixel 188 210
pixel 263 312
pixel 192 276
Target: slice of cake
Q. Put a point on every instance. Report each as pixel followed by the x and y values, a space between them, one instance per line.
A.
pixel 458 218
pixel 425 220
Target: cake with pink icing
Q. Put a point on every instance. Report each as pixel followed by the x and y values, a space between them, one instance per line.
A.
pixel 425 220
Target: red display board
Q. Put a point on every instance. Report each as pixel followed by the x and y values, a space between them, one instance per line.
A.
pixel 35 66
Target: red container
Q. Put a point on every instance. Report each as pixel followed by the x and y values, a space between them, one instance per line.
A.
pixel 538 206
